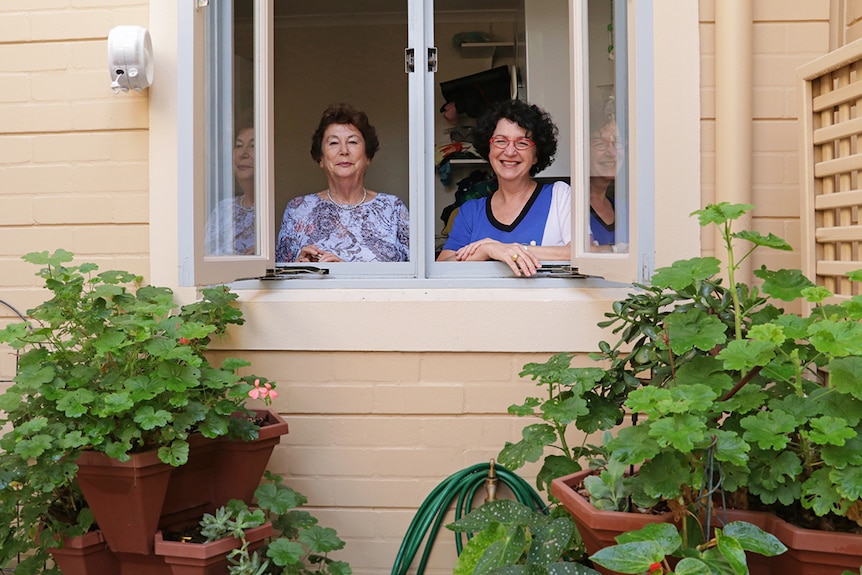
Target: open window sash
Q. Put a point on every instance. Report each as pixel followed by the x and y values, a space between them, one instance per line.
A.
pixel 210 132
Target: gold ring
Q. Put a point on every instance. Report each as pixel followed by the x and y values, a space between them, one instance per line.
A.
pixel 514 257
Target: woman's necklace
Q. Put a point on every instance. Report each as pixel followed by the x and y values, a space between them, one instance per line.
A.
pixel 348 206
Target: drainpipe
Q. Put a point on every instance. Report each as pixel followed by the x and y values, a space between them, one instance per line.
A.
pixel 733 112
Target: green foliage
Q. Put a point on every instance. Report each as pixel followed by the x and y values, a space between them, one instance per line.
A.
pixel 105 365
pixel 510 538
pixel 647 549
pixel 301 546
pixel 736 388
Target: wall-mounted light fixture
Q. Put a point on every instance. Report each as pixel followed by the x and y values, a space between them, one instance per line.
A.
pixel 130 58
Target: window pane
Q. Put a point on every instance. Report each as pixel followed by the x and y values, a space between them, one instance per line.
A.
pixel 232 185
pixel 607 163
pixel 353 207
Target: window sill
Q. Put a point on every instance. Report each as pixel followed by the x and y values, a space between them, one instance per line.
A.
pixel 425 315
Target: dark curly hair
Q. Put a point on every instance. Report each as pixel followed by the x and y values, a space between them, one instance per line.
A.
pixel 345 114
pixel 538 124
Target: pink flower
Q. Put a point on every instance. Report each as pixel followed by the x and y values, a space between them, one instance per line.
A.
pixel 265 393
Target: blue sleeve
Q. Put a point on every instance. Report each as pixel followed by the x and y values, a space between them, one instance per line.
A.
pixel 462 227
pixel 403 229
pixel 283 249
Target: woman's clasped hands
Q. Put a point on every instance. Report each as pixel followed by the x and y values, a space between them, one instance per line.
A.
pixel 517 256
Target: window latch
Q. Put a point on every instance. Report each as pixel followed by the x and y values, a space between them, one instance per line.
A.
pixel 559 271
pixel 291 272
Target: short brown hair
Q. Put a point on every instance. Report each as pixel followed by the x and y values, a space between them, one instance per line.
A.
pixel 345 114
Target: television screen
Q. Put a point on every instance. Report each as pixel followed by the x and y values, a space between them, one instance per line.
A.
pixel 474 93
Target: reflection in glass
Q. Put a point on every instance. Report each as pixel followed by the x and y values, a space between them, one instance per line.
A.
pixel 232 191
pixel 608 189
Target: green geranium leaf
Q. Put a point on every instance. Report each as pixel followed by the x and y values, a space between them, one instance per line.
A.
pixel 721 213
pixel 148 418
pixel 845 373
pixel 695 566
pixel 76 403
pixel 819 493
pixel 816 294
pixel 531 447
pixel 564 411
pixel 829 430
pixel 633 445
pixel 769 241
pixel 175 454
pixel 848 454
pixel 278 499
pixel 116 403
pixel 744 354
pixel 693 329
pixel 284 552
pixel 836 338
pixel 321 539
pixel 553 467
pixel 768 429
pixel 684 273
pixel 786 285
pixel 664 475
pixel 730 447
pixel 34 446
pixel 848 481
pixel 178 377
pixel 682 431
pixel 603 413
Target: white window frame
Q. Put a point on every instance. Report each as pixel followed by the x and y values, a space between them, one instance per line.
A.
pixel 188 165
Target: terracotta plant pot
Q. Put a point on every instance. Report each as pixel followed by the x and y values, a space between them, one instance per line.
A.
pixel 598 528
pixel 131 500
pixel 815 552
pixel 206 558
pixel 125 497
pixel 88 554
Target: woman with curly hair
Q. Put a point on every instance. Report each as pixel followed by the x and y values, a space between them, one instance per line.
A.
pixel 522 223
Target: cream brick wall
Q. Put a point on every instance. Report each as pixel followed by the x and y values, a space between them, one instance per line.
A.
pixel 73 155
pixel 785 36
pixel 372 435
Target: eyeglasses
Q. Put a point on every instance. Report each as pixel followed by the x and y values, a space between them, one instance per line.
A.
pixel 603 145
pixel 502 142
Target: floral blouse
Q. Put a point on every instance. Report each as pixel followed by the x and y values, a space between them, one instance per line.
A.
pixel 230 229
pixel 376 231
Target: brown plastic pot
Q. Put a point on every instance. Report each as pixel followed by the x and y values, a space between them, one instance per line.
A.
pixel 206 558
pixel 86 555
pixel 131 500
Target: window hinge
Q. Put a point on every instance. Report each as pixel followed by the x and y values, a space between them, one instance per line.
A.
pixel 432 59
pixel 201 4
pixel 292 272
pixel 409 64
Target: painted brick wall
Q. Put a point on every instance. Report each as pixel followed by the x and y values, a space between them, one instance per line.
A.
pixel 787 34
pixel 372 435
pixel 73 155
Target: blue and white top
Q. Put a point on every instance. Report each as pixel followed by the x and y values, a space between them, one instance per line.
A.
pixel 546 220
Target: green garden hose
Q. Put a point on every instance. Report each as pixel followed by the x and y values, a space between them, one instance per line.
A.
pixel 462 485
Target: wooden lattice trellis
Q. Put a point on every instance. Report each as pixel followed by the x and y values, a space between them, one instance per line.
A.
pixel 831 118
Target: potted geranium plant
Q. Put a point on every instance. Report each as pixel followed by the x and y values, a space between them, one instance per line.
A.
pixel 117 373
pixel 742 404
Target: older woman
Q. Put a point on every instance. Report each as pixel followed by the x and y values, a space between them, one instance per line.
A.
pixel 522 223
pixel 346 221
